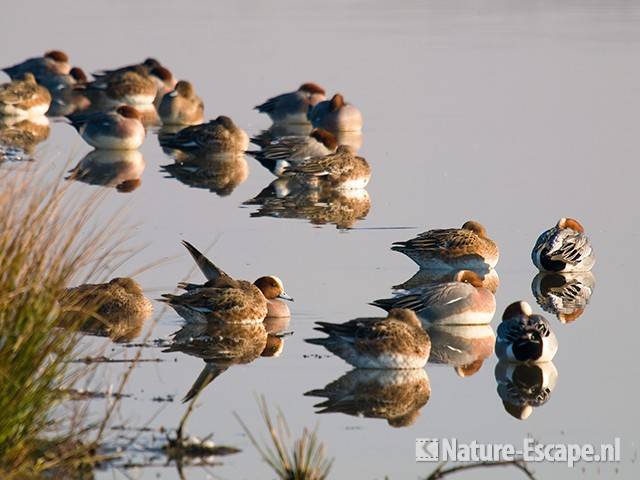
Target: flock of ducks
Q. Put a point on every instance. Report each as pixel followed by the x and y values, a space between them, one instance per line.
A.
pixel 442 314
pixel 311 148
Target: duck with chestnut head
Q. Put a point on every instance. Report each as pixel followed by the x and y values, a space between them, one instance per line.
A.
pixel 224 299
pixel 563 248
pixel 52 63
pixel 336 115
pixel 292 107
pixel 463 301
pixel 289 150
pixel 453 248
pixel 120 129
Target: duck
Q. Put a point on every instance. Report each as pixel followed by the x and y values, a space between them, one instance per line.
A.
pixel 461 302
pixel 396 342
pixel 525 337
pixel 336 115
pixel 342 169
pixel 425 276
pixel 291 150
pixel 121 169
pixel 24 98
pixel 219 135
pixel 525 386
pixel 225 299
pixel 468 247
pixel 119 298
pixel 287 198
pixel 120 129
pixel 130 87
pixel 66 97
pixel 394 395
pixel 565 295
pixel 563 248
pixel 52 63
pixel 181 106
pixel 292 107
pixel 147 65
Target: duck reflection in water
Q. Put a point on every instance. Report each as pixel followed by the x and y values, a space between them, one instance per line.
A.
pixel 220 173
pixel 288 198
pixel 20 136
pixel 523 387
pixel 565 295
pixel 464 347
pixel 222 345
pixel 117 309
pixel 395 395
pixel 121 169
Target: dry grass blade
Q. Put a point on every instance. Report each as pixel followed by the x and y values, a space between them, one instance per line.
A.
pixel 304 460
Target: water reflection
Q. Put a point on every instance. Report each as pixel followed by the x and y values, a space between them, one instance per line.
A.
pixel 121 169
pixel 19 136
pixel 222 345
pixel 565 295
pixel 288 198
pixel 395 395
pixel 464 347
pixel 220 173
pixel 523 387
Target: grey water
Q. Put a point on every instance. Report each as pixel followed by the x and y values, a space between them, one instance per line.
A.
pixel 512 113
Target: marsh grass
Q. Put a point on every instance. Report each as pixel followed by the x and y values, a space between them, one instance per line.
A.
pixel 48 240
pixel 305 459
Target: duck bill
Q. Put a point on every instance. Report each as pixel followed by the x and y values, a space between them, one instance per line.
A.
pixel 284 296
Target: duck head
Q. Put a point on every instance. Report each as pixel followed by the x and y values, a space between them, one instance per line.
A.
pixel 57 56
pixel 272 288
pixel 127 111
pixel 405 315
pixel 467 276
pixel 185 89
pixel 325 137
pixel 517 309
pixel 570 223
pixel 475 227
pixel 128 284
pixel 336 103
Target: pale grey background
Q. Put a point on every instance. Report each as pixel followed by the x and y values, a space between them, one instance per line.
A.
pixel 511 113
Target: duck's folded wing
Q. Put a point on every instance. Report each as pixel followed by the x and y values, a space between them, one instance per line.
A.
pixel 574 249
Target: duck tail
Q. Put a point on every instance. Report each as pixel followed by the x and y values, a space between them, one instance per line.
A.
pixel 384 303
pixel 210 271
pixel 208 374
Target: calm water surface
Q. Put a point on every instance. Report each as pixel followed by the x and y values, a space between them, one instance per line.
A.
pixel 511 113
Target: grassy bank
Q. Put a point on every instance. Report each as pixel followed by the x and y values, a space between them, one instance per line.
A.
pixel 47 242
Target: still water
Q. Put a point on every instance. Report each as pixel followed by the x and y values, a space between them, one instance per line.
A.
pixel 511 113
